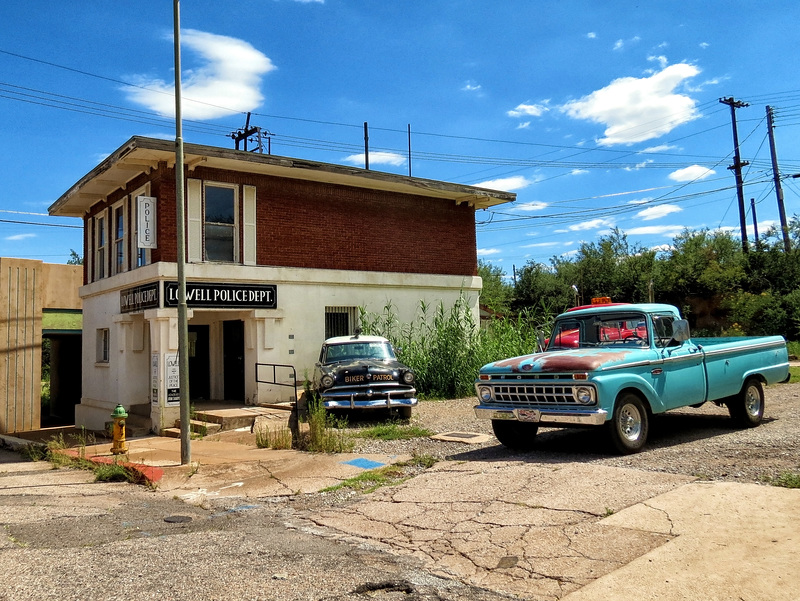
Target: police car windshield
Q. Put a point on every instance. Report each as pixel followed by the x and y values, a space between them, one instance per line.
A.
pixel 351 351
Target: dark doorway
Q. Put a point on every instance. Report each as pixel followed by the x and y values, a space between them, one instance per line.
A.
pixel 199 366
pixel 233 359
pixel 61 368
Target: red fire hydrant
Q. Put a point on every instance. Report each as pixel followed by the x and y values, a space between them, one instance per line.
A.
pixel 118 444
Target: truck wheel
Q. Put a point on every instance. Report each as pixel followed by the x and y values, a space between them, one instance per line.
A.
pixel 747 407
pixel 629 425
pixel 515 435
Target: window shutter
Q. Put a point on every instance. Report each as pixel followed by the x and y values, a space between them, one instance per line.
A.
pixel 249 229
pixel 194 214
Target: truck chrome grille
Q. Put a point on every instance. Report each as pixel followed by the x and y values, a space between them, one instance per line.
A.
pixel 536 394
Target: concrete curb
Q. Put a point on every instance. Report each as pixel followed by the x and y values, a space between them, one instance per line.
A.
pixel 149 473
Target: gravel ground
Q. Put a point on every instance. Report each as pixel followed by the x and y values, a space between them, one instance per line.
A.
pixel 699 442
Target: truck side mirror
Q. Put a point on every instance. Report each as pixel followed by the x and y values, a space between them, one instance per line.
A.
pixel 680 330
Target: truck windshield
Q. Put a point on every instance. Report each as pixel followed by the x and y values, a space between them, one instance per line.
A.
pixel 608 330
pixel 351 351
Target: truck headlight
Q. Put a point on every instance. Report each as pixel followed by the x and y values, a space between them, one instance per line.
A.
pixel 326 381
pixel 584 395
pixel 485 393
pixel 408 377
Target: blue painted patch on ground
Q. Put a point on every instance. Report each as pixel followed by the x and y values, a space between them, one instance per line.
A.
pixel 363 463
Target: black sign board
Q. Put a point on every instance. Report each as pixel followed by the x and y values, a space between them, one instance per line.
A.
pixel 223 296
pixel 139 298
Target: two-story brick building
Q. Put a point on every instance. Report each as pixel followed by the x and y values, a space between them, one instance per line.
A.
pixel 280 254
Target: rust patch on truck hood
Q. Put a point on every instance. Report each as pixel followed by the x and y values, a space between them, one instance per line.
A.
pixel 561 361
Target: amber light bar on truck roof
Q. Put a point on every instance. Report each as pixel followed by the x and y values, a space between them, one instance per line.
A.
pixel 598 300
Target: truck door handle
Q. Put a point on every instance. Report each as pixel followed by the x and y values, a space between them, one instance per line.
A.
pixel 657 371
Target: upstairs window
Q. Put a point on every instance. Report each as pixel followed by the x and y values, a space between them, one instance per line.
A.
pixel 220 224
pixel 100 247
pixel 118 264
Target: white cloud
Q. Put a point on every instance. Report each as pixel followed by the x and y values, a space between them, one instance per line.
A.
pixel 619 45
pixel 691 173
pixel 659 148
pixel 640 201
pixel 539 245
pixel 638 166
pixel 377 158
pixel 17 237
pixel 591 35
pixel 658 212
pixel 662 248
pixel 524 125
pixel 471 87
pixel 528 110
pixel 637 109
pixel 534 205
pixel 507 184
pixel 655 230
pixel 228 81
pixel 704 45
pixel 485 252
pixel 661 60
pixel 578 171
pixel 592 224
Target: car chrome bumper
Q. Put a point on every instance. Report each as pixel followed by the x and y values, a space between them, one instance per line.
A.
pixel 595 417
pixel 384 401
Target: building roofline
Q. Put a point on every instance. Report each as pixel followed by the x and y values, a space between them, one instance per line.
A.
pixel 140 154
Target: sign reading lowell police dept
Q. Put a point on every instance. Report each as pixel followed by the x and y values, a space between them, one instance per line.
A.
pixel 223 296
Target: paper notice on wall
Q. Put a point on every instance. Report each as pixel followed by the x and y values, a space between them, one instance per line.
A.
pixel 172 379
pixel 154 380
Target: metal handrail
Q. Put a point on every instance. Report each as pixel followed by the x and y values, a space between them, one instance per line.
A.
pixel 275 367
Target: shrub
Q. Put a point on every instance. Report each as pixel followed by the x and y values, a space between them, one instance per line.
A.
pixel 446 348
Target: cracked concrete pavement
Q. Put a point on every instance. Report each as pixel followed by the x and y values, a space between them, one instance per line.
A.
pixel 523 526
pixel 572 531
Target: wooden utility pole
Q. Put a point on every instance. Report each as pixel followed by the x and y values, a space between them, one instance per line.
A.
pixel 787 245
pixel 737 167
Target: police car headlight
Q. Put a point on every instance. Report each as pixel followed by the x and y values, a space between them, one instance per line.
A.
pixel 585 396
pixel 408 377
pixel 485 393
pixel 326 381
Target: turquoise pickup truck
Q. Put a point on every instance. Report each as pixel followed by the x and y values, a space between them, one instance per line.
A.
pixel 615 365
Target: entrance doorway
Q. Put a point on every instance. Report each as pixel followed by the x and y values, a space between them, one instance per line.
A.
pixel 199 364
pixel 233 359
pixel 61 378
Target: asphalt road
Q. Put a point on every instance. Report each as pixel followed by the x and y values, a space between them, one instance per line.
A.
pixel 66 537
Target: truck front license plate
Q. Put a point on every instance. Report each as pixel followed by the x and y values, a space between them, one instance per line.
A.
pixel 528 415
pixel 502 415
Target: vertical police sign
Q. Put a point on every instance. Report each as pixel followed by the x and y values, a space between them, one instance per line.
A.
pixel 146 222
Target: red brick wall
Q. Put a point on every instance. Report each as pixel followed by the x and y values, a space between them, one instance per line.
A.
pixel 309 224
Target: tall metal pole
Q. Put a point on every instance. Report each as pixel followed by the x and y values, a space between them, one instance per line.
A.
pixel 180 200
pixel 787 245
pixel 737 167
pixel 366 146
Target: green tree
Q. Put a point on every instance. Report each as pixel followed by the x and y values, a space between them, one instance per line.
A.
pixel 74 258
pixel 541 288
pixel 497 293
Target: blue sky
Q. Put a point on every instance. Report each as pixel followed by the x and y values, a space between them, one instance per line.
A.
pixel 597 114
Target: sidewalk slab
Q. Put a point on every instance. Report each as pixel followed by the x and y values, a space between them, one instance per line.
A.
pixel 731 541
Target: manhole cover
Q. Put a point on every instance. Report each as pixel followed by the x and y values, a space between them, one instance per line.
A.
pixel 177 519
pixel 461 435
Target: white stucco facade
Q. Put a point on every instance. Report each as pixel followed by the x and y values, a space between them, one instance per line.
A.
pixel 139 343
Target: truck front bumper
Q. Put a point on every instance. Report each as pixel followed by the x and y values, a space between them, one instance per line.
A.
pixel 594 417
